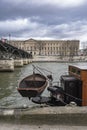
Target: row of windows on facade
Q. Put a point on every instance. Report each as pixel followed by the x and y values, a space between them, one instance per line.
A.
pixel 46 45
pixel 55 53
pixel 45 48
pixel 50 48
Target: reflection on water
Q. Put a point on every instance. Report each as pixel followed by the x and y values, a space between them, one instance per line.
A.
pixel 9 96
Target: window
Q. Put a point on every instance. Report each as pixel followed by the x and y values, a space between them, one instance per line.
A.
pixel 73 70
pixel 78 72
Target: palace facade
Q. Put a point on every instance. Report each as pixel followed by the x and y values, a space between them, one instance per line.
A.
pixel 48 47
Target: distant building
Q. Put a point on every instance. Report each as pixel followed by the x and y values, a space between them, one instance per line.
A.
pixel 49 47
pixel 84 52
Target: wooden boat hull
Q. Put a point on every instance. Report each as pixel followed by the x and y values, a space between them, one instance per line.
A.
pixel 32 85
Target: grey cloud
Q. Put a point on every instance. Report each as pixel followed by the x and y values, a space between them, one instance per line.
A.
pixel 44 20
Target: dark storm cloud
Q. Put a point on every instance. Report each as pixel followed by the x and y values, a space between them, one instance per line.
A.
pixel 11 10
pixel 43 19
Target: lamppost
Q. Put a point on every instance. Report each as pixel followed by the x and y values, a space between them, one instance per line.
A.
pixel 9 37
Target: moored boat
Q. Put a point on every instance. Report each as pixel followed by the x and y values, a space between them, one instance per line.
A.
pixel 32 85
pixel 71 90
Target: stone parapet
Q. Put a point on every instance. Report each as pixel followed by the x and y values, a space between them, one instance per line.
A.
pixel 46 115
pixel 59 59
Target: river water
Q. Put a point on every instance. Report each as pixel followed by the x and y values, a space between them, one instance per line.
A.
pixel 9 96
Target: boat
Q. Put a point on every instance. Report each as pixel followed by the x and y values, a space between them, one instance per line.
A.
pixel 32 85
pixel 75 85
pixel 80 73
pixel 71 90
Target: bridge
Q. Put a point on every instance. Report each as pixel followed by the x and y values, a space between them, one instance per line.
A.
pixel 8 51
pixel 11 56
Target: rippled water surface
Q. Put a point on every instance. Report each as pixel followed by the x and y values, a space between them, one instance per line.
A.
pixel 9 96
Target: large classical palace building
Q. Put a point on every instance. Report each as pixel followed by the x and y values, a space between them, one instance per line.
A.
pixel 48 47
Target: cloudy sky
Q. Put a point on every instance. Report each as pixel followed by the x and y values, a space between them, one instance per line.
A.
pixel 47 19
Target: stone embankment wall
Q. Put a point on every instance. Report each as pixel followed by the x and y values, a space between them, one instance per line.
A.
pixel 46 115
pixel 60 59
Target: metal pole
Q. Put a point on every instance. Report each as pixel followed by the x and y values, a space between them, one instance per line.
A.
pixel 9 38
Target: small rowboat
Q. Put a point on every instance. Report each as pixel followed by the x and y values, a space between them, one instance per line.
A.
pixel 33 85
